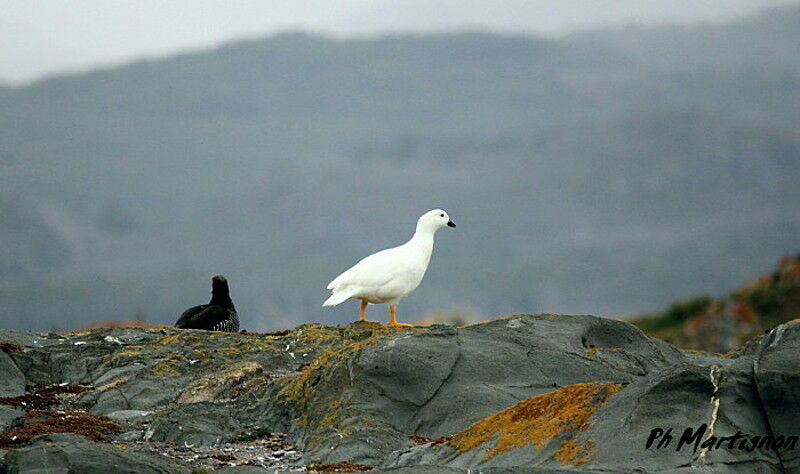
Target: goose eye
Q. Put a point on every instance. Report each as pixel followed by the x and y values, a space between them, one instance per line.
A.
pixel 441 215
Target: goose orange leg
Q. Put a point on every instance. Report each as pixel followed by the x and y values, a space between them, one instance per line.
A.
pixel 363 310
pixel 393 317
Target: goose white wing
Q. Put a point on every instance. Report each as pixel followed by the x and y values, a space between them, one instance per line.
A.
pixel 372 271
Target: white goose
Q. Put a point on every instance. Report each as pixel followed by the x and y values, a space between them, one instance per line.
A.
pixel 390 275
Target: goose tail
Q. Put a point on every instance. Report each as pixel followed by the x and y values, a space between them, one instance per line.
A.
pixel 338 297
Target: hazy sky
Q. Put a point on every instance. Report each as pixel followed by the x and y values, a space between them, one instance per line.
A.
pixel 45 37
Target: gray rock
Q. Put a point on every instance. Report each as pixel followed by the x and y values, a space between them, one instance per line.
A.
pixel 200 423
pixel 117 373
pixel 438 382
pixel 247 470
pixel 126 415
pixel 13 380
pixel 128 436
pixel 585 392
pixel 679 397
pixel 7 416
pixel 143 393
pixel 109 401
pixel 423 470
pixel 68 453
pixel 28 338
pixel 777 382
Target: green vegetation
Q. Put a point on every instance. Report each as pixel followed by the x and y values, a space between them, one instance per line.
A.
pixel 723 324
pixel 675 316
pixel 776 303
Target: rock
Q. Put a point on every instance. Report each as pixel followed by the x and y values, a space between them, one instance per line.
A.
pixel 110 401
pixel 561 393
pixel 437 382
pixel 113 377
pixel 127 415
pixel 67 453
pixel 221 385
pixel 13 380
pixel 143 394
pixel 777 384
pixel 198 423
pixel 428 470
pixel 7 416
pixel 135 435
pixel 246 470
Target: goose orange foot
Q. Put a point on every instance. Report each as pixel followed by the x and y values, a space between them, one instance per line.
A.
pixel 393 318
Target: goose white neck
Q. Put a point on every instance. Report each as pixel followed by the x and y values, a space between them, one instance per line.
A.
pixel 422 239
pixel 426 227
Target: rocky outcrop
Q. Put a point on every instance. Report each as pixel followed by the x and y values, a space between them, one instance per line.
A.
pixel 545 392
pixel 74 453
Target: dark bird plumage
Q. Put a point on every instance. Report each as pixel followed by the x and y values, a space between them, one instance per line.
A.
pixel 218 315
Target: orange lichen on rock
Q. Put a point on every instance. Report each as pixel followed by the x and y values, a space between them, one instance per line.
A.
pixel 592 351
pixel 572 453
pixel 539 420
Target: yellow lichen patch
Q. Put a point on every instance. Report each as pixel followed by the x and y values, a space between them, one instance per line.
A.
pixel 302 385
pixel 169 339
pixel 244 344
pixel 309 393
pixel 114 383
pixel 131 351
pixel 539 420
pixel 333 418
pixel 316 334
pixel 166 368
pixel 332 421
pixel 342 342
pixel 230 351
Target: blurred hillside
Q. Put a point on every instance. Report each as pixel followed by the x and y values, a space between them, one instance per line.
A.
pixel 723 324
pixel 607 173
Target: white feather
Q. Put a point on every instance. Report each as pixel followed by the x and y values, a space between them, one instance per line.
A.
pixel 390 275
